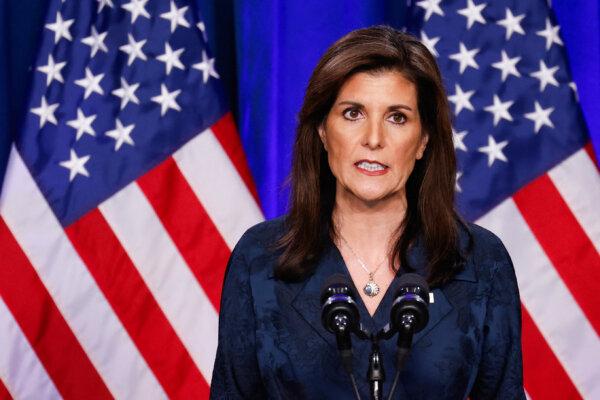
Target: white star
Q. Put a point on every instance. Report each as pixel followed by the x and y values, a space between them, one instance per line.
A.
pixel 82 124
pixel 207 66
pixel 494 150
pixel 96 41
pixel 136 8
pixel 551 34
pixel 458 139
pixel 166 99
pixel 573 87
pixel 430 43
pixel 431 7
pixel 465 57
pixel 103 3
pixel 171 58
pixel 61 28
pixel 133 49
pixel 456 184
pixel 46 112
pixel 202 28
pixel 512 23
pixel 473 13
pixel 52 70
pixel 500 110
pixel 540 117
pixel 507 65
pixel 176 16
pixel 461 99
pixel 545 75
pixel 75 165
pixel 127 93
pixel 91 83
pixel 121 134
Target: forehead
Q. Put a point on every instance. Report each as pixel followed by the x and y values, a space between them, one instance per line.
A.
pixel 385 87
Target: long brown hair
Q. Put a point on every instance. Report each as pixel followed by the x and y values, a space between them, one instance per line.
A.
pixel 430 213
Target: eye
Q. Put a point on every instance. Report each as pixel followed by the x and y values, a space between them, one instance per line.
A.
pixel 398 118
pixel 352 114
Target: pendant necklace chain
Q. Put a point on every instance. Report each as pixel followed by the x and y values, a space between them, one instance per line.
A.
pixel 371 289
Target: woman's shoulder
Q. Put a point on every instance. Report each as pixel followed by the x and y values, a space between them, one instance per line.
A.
pixel 261 239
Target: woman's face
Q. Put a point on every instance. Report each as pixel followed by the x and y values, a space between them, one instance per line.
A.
pixel 373 136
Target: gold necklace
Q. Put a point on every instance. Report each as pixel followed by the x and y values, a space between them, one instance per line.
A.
pixel 371 288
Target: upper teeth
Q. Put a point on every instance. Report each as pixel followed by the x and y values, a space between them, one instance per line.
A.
pixel 371 166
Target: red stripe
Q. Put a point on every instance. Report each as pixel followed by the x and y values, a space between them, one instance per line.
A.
pixel 590 150
pixel 4 395
pixel 544 376
pixel 135 306
pixel 226 133
pixel 565 243
pixel 188 224
pixel 44 326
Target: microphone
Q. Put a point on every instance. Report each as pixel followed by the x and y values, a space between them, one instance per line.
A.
pixel 409 315
pixel 339 315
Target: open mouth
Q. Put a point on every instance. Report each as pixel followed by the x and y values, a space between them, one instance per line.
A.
pixel 371 167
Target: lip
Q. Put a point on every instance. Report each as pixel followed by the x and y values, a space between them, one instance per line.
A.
pixel 371 173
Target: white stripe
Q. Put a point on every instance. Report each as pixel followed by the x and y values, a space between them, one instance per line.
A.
pixel 220 189
pixel 73 289
pixel 578 182
pixel 20 369
pixel 551 305
pixel 166 274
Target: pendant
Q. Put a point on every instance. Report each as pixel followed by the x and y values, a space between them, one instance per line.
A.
pixel 371 289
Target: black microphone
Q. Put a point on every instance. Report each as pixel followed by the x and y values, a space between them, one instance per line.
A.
pixel 409 315
pixel 339 314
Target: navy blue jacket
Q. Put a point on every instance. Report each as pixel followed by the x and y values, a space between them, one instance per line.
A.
pixel 272 344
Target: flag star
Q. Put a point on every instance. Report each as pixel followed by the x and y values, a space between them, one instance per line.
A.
pixel 573 87
pixel 551 34
pixel 545 75
pixel 176 16
pixel 61 28
pixel 91 83
pixel 166 99
pixel 207 66
pixel 46 112
pixel 82 124
pixel 136 8
pixel 431 7
pixel 512 23
pixel 456 184
pixel 202 29
pixel 473 13
pixel 96 41
pixel 133 49
pixel 458 139
pixel 500 110
pixel 461 99
pixel 103 3
pixel 494 150
pixel 121 134
pixel 430 43
pixel 52 70
pixel 540 117
pixel 75 165
pixel 465 57
pixel 171 58
pixel 507 65
pixel 127 93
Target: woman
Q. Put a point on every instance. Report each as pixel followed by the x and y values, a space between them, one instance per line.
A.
pixel 372 197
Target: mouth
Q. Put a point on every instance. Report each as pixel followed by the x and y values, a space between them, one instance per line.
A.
pixel 370 167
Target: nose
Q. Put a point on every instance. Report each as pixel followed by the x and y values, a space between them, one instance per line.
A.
pixel 374 135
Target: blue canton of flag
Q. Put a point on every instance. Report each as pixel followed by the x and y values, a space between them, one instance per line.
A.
pixel 515 106
pixel 117 89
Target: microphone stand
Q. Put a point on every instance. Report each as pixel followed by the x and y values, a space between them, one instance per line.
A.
pixel 375 373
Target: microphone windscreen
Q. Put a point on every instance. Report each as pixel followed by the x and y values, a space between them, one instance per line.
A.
pixel 412 279
pixel 338 279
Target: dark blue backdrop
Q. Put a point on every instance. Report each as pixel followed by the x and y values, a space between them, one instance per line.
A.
pixel 265 52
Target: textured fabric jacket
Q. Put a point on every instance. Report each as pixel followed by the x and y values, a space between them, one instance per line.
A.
pixel 272 343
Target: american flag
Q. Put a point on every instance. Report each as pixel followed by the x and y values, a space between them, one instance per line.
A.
pixel 527 172
pixel 125 191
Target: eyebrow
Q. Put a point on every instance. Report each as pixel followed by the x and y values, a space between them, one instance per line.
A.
pixel 390 108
